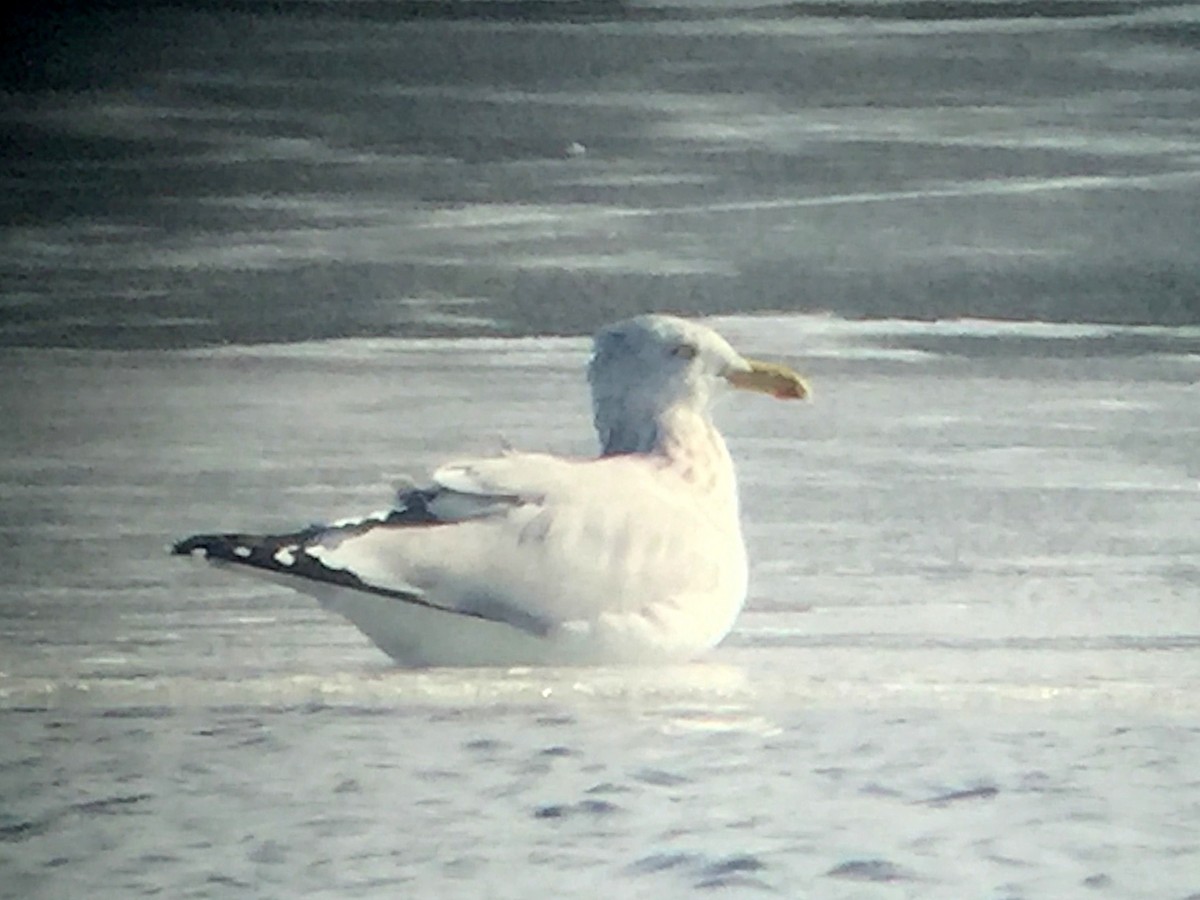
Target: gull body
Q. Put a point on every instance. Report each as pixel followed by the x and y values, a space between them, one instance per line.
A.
pixel 634 556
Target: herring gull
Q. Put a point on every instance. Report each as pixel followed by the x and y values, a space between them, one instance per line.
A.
pixel 635 556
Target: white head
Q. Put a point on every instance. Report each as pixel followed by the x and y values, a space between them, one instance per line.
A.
pixel 645 368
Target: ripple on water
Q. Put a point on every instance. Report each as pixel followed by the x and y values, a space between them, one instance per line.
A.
pixel 609 787
pixel 876 870
pixel 983 792
pixel 488 746
pixel 736 871
pixel 660 862
pixel 23 830
pixel 109 805
pixel 584 808
pixel 660 778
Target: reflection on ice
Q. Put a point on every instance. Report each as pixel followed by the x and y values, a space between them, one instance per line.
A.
pixel 704 687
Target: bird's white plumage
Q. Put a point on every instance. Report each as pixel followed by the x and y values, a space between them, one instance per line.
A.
pixel 634 556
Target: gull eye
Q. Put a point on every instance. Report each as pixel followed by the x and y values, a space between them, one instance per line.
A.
pixel 685 351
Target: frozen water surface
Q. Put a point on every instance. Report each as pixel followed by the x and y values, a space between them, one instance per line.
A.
pixel 968 667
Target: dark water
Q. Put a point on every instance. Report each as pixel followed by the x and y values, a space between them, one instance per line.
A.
pixel 187 174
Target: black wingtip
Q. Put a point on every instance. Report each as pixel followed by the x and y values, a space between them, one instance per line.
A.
pixel 280 553
pixel 286 554
pixel 231 547
pixel 190 545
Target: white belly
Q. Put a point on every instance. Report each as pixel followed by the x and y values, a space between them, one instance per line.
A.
pixel 416 635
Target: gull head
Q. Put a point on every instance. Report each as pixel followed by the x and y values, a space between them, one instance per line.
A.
pixel 647 369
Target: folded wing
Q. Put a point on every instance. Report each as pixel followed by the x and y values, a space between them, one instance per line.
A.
pixel 534 541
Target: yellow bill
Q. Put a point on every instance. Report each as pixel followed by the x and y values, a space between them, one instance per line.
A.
pixel 775 379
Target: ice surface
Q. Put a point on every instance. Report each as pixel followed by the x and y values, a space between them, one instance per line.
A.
pixel 968 666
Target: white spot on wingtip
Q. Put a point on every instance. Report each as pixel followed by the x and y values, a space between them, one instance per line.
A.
pixel 286 556
pixel 243 552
